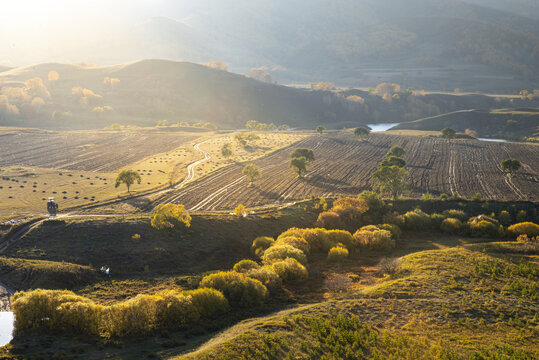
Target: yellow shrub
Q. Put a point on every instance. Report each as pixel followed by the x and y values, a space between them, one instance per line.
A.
pixel 416 220
pixel 290 269
pixel 260 244
pixel 245 265
pixel 373 238
pixel 79 317
pixel 395 230
pixel 266 276
pixel 208 301
pixel 524 228
pixel 135 316
pixel 238 288
pixel 39 308
pixel 281 252
pixel 297 242
pixel 240 211
pixel 340 237
pixel 174 310
pixel 166 216
pixel 451 225
pixel 484 228
pixel 337 253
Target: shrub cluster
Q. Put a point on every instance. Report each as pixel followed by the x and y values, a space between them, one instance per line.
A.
pixel 347 212
pixel 62 310
pixel 337 253
pixel 267 276
pixel 416 220
pixel 260 244
pixel 245 265
pixel 524 228
pixel 451 225
pixel 373 238
pixel 281 252
pixel 238 288
pixel 484 226
pixel 294 241
pixel 290 269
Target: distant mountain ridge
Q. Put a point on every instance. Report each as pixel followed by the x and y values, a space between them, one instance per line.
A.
pixel 433 44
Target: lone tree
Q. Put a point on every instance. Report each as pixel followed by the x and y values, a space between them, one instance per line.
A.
pixel 390 180
pixel 362 132
pixel 397 151
pixel 127 177
pixel 308 154
pixel 252 172
pixel 320 129
pixel 226 151
pixel 393 161
pixel 448 133
pixel 299 165
pixel 167 216
pixel 510 166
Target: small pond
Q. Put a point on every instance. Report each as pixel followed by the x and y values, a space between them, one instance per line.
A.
pixel 6 327
pixel 495 140
pixel 381 127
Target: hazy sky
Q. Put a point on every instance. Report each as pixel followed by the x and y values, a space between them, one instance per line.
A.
pixel 31 28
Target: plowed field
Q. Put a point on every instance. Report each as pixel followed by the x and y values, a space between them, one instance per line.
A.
pixel 99 151
pixel 344 165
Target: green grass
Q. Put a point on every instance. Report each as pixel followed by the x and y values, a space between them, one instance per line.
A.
pixel 29 274
pixel 450 303
pixel 212 242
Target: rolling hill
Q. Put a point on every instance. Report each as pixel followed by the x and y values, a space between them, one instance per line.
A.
pixel 151 90
pixel 144 92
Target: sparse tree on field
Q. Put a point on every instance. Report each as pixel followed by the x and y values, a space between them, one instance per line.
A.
pixel 397 151
pixel 320 130
pixel 308 154
pixel 240 211
pixel 226 151
pixel 240 138
pixel 362 132
pixel 299 165
pixel 393 161
pixel 252 171
pixel 251 124
pixel 510 166
pixel 448 133
pixel 218 64
pixel 167 216
pixel 127 177
pixel 390 180
pixel 283 127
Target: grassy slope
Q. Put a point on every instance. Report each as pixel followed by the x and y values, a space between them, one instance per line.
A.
pixel 212 242
pixel 448 303
pixel 483 122
pixel 439 303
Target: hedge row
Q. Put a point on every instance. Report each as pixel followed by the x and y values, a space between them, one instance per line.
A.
pixel 64 311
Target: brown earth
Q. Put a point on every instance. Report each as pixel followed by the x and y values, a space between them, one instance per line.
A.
pixel 344 165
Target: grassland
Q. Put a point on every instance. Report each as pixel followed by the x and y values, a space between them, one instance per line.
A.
pixel 452 298
pixel 450 303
